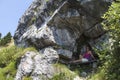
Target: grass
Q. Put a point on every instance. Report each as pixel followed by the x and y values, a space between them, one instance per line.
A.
pixel 100 75
pixel 8 44
pixel 8 72
pixel 47 0
pixel 63 73
pixel 27 78
pixel 12 53
pixel 9 57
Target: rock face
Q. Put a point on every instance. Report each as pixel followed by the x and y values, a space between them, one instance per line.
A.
pixel 59 24
pixel 38 66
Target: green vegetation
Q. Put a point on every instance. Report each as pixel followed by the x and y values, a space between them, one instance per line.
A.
pixel 31 21
pixel 47 0
pixel 6 39
pixel 9 58
pixel 110 70
pixel 8 72
pixel 27 78
pixel 12 53
pixel 63 73
pixel 113 25
pixel 99 76
pixel 0 35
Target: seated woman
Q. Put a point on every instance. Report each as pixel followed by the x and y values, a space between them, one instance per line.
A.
pixel 86 57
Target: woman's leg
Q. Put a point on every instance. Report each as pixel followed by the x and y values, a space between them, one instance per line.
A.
pixel 77 60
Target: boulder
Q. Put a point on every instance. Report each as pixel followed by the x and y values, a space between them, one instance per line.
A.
pixel 36 65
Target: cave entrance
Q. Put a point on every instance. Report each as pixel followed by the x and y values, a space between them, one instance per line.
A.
pixel 82 42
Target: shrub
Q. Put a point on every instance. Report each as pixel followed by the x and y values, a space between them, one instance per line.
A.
pixel 0 35
pixel 111 67
pixel 5 40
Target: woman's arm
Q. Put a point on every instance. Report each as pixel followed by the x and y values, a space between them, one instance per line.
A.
pixel 91 55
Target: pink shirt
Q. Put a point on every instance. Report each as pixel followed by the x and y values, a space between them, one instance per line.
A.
pixel 87 56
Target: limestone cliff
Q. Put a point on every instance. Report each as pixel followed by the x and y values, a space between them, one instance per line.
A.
pixel 59 25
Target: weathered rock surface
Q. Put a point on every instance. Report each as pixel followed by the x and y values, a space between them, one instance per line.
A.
pixel 37 65
pixel 56 27
pixel 60 23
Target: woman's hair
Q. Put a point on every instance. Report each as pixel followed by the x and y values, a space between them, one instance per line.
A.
pixel 87 48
